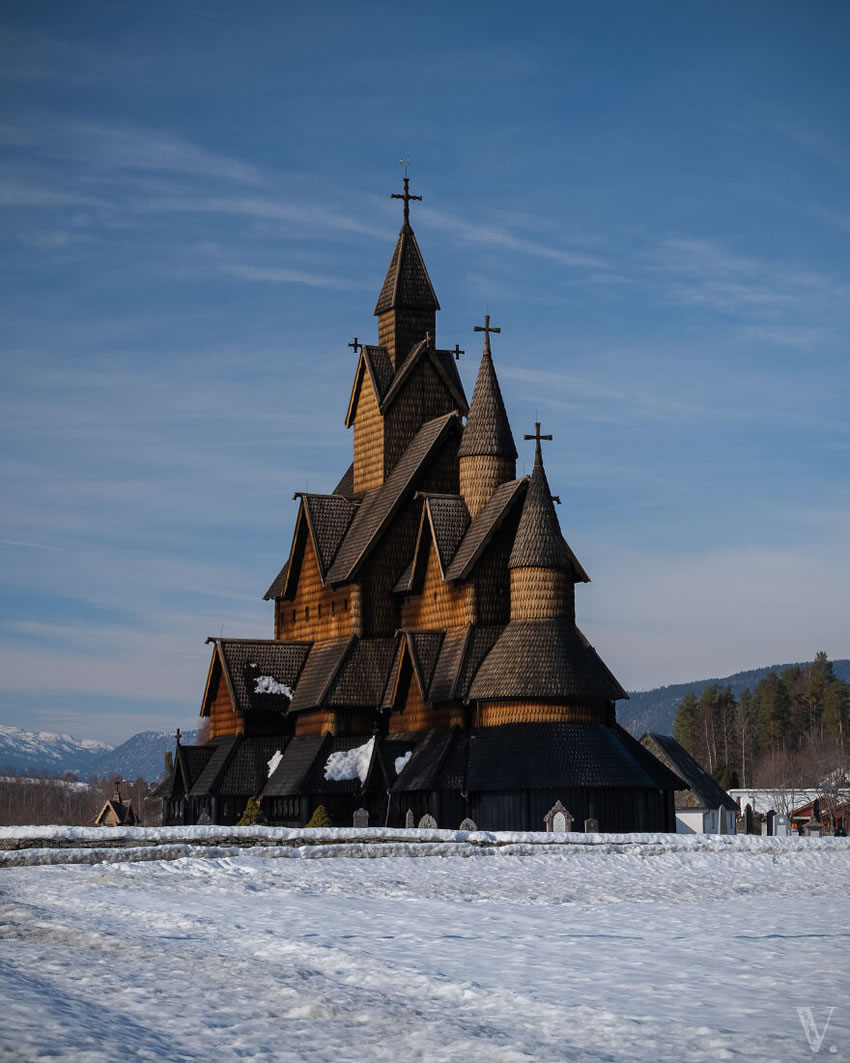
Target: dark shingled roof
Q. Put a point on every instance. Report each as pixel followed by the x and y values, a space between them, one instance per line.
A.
pixel 389 689
pixel 248 769
pixel 545 659
pixel 449 520
pixel 381 505
pixel 319 672
pixel 377 362
pixel 245 660
pixel 345 487
pixel 407 284
pixel 443 362
pixel 694 776
pixel 423 768
pixel 541 756
pixel 288 779
pixel 328 518
pixel 484 526
pixel 222 748
pixel 191 761
pixel 361 679
pixel 461 654
pixel 278 583
pixel 424 649
pixel 392 746
pixel 315 781
pixel 539 542
pixel 488 431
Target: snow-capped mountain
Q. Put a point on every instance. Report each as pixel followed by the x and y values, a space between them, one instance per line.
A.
pixel 45 752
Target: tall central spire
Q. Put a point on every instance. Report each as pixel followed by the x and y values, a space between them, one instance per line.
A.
pixel 407 306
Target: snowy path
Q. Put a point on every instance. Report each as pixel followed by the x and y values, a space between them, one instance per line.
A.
pixel 586 955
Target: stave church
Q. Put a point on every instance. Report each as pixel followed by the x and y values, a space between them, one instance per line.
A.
pixel 425 664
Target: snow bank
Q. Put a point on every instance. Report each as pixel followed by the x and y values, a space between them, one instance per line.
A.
pixel 350 764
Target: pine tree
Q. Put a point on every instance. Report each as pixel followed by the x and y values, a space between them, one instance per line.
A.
pixel 684 729
pixel 320 818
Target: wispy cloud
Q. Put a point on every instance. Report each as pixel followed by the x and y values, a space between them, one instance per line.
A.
pixel 289 276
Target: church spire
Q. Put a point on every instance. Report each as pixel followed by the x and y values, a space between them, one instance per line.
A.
pixel 487 450
pixel 406 308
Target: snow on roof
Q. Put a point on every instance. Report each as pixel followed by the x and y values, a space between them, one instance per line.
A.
pixel 267 684
pixel 273 763
pixel 351 764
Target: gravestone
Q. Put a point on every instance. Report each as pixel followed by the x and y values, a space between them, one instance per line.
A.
pixel 770 820
pixel 591 826
pixel 781 826
pixel 361 818
pixel 410 819
pixel 813 828
pixel 467 824
pixel 427 822
pixel 204 819
pixel 558 819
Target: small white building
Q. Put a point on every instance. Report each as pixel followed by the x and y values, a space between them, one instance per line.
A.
pixel 703 807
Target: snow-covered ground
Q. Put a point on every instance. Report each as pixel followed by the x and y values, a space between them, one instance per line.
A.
pixel 694 950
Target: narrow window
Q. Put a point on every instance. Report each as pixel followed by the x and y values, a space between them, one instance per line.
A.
pixel 320 608
pixel 306 612
pixel 333 607
pixel 345 605
pixel 293 616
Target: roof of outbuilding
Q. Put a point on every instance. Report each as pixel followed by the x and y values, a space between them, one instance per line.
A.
pixel 487 431
pixel 380 506
pixel 539 542
pixel 407 284
pixel 545 659
pixel 484 526
pixel 695 777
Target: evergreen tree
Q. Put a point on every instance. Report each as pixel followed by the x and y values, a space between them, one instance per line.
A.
pixel 320 818
pixel 684 729
pixel 774 710
pixel 253 815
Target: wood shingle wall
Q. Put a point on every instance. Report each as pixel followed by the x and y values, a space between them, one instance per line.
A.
pixel 224 719
pixel 480 475
pixel 541 593
pixel 368 438
pixel 399 330
pixel 495 713
pixel 439 605
pixel 317 612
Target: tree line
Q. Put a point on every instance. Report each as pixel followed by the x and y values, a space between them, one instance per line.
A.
pixel 39 801
pixel 791 730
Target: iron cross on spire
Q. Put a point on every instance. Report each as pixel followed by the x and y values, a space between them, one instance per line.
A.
pixel 486 328
pixel 356 344
pixel 405 195
pixel 537 437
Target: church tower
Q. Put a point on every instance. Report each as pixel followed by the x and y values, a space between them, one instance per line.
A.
pixel 407 306
pixel 543 569
pixel 487 450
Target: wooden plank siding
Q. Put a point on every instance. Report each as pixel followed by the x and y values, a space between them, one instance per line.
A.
pixel 440 604
pixel 368 438
pixel 399 330
pixel 495 713
pixel 224 719
pixel 316 612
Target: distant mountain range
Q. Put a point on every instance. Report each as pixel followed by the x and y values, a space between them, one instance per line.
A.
pixel 655 710
pixel 42 753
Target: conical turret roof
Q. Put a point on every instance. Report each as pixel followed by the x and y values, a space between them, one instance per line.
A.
pixel 407 284
pixel 487 431
pixel 539 542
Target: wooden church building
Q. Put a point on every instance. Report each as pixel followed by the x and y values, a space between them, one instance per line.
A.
pixel 425 656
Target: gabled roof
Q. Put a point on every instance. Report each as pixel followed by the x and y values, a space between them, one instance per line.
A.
pixel 243 661
pixel 422 649
pixel 487 431
pixel 422 771
pixel 461 653
pixel 361 680
pixel 122 810
pixel 345 487
pixel 443 362
pixel 321 669
pixel 190 761
pixel 444 520
pixel 206 781
pixel 380 506
pixel 695 777
pixel 277 585
pixel 327 518
pixel 545 659
pixel 392 746
pixel 407 284
pixel 287 780
pixel 247 770
pixel 484 526
pixel 377 362
pixel 539 542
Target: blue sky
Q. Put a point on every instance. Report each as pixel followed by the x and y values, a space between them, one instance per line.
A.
pixel 650 199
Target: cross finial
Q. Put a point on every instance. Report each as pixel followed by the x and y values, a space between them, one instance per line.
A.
pixel 486 328
pixel 178 736
pixel 405 195
pixel 457 352
pixel 538 455
pixel 356 344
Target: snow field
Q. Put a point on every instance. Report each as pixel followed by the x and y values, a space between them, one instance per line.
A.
pixel 586 952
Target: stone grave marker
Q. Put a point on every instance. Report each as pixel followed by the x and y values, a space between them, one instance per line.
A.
pixel 558 818
pixel 361 818
pixel 770 820
pixel 591 826
pixel 467 824
pixel 427 822
pixel 781 826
